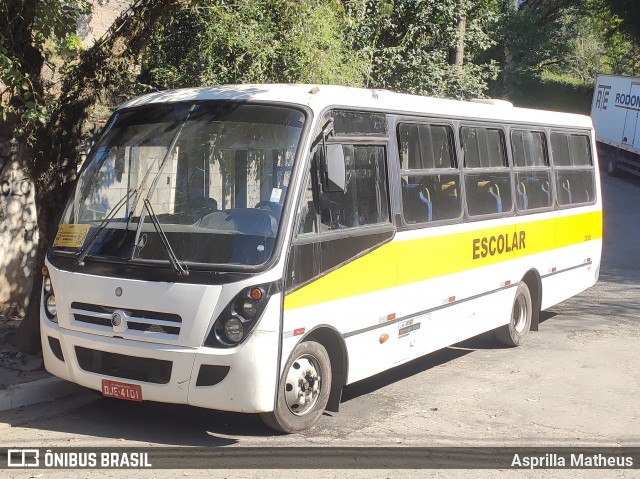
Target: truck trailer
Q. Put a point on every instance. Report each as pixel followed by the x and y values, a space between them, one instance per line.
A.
pixel 614 111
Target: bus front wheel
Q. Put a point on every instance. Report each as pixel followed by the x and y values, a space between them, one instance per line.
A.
pixel 303 391
pixel 514 333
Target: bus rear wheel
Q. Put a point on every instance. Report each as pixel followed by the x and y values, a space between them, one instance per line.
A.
pixel 514 333
pixel 303 391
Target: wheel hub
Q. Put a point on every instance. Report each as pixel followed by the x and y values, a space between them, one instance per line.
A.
pixel 302 385
pixel 519 314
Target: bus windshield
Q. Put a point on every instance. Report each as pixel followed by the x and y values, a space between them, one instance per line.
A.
pixel 215 176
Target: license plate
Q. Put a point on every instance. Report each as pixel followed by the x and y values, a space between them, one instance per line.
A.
pixel 115 389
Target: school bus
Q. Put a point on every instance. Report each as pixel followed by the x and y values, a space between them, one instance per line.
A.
pixel 255 248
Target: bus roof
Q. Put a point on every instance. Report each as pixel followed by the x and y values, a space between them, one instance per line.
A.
pixel 319 97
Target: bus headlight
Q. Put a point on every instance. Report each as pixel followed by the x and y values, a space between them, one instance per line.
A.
pixel 50 306
pixel 239 317
pixel 233 329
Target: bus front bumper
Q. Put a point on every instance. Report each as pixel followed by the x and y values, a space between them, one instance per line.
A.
pixel 234 379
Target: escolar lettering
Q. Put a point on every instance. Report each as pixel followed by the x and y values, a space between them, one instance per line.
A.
pixel 499 244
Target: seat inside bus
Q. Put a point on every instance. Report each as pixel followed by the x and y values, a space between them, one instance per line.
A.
pixel 485 198
pixel 247 221
pixel 417 205
pixel 533 193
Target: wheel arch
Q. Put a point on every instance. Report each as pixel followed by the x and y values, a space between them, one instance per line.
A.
pixel 334 343
pixel 534 283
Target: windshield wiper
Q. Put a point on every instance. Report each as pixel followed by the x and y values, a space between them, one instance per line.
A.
pixel 85 249
pixel 178 267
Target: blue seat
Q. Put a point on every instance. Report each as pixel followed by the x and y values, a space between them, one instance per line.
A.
pixel 494 193
pixel 565 191
pixel 486 199
pixel 523 198
pixel 417 204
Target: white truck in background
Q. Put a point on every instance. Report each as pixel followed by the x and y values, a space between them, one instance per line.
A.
pixel 615 110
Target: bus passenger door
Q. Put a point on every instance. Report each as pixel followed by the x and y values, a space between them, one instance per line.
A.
pixel 341 269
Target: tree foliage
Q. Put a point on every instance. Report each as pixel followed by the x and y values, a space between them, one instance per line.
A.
pixel 404 45
pixel 628 13
pixel 30 33
pixel 566 41
pixel 407 44
pixel 252 42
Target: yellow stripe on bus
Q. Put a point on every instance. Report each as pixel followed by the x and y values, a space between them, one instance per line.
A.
pixel 432 256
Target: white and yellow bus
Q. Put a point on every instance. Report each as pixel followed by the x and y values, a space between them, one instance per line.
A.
pixel 256 248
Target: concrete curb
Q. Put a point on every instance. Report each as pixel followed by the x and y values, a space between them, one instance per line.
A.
pixel 34 392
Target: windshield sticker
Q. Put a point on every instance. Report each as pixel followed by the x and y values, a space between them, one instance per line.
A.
pixel 71 235
pixel 276 193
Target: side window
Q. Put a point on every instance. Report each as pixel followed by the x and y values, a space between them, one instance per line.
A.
pixel 570 149
pixel 574 175
pixel 483 147
pixel 486 171
pixel 532 171
pixel 529 148
pixel 429 175
pixel 364 201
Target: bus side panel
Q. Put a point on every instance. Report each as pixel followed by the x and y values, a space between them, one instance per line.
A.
pixel 346 316
pixel 453 283
pixel 576 259
pixel 564 283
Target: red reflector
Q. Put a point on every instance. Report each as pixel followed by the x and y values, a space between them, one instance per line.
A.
pixel 553 270
pixel 391 317
pixel 507 282
pixel 452 299
pixel 588 260
pixel 298 332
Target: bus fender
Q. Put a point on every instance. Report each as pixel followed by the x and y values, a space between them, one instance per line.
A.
pixel 333 342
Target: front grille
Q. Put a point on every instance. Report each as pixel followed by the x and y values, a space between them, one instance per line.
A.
pixel 152 324
pixel 148 370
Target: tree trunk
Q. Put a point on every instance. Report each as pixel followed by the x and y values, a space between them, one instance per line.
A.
pixel 456 56
pixel 49 205
pixel 99 69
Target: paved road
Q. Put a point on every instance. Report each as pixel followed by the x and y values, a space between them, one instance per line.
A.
pixel 575 383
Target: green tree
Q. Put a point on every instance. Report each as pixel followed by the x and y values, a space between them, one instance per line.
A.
pixel 408 43
pixel 252 42
pixel 45 119
pixel 530 36
pixel 566 43
pixel 628 12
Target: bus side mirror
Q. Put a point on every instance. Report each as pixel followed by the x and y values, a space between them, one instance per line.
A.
pixel 334 166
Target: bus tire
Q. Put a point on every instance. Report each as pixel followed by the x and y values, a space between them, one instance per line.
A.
pixel 514 333
pixel 303 391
